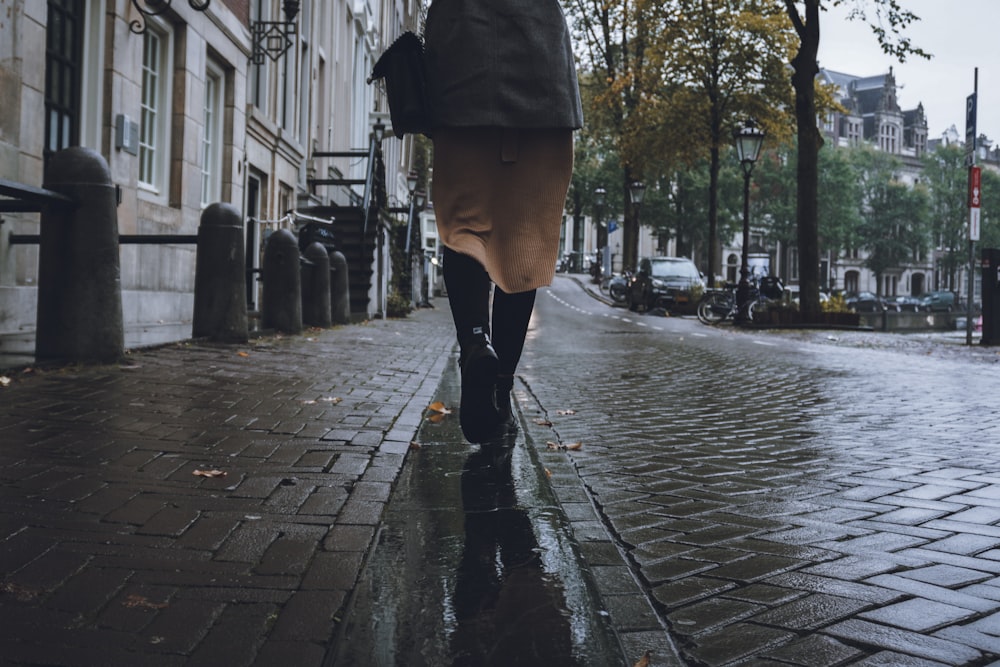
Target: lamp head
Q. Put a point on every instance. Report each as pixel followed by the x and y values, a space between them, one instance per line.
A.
pixel 636 192
pixel 291 8
pixel 748 140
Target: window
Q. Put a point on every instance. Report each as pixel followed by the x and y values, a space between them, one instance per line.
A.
pixel 259 73
pixel 732 268
pixel 286 202
pixel 853 132
pixel 851 282
pixel 889 138
pixel 211 136
pixel 63 56
pixel 154 115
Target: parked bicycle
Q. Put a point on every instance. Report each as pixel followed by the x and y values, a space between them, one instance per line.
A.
pixel 719 305
pixel 616 286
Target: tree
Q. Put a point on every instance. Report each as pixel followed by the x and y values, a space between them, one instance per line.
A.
pixel 672 78
pixel 947 178
pixel 887 21
pixel 990 210
pixel 612 37
pixel 723 61
pixel 893 221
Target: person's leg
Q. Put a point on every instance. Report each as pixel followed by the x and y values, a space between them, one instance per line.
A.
pixel 468 287
pixel 511 314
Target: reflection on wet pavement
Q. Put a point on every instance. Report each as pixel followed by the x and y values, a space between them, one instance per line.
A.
pixel 475 565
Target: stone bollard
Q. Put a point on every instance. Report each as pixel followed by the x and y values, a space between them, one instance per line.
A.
pixel 316 286
pixel 79 270
pixel 340 291
pixel 220 289
pixel 281 306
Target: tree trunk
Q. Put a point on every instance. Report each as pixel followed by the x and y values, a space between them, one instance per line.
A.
pixel 803 81
pixel 713 216
pixel 630 227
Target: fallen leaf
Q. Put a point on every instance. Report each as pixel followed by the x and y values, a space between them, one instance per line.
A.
pixel 436 418
pixel 210 473
pixel 438 406
pixel 643 661
pixel 573 446
pixel 543 422
pixel 565 412
pixel 22 593
pixel 242 354
pixel 548 473
pixel 141 602
pixel 414 444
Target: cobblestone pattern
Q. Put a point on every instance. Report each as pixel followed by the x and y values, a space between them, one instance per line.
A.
pixel 113 552
pixel 784 502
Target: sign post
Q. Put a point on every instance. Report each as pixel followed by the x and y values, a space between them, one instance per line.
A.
pixel 975 195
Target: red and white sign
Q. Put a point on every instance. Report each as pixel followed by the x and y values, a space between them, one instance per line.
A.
pixel 975 196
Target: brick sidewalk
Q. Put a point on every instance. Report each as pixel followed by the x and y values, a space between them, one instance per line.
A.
pixel 112 551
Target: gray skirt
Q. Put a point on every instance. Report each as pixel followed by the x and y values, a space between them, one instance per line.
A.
pixel 499 196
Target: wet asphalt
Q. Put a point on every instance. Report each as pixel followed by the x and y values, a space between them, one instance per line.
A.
pixel 709 497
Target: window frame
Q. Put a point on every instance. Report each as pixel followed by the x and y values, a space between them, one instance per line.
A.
pixel 212 133
pixel 153 173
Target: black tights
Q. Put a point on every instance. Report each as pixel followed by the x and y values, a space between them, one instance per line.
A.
pixel 468 287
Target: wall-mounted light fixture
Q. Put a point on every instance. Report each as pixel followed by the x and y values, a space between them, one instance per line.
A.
pixel 272 39
pixel 157 7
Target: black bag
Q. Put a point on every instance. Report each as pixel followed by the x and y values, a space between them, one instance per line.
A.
pixel 402 67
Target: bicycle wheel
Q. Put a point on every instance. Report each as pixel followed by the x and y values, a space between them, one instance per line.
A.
pixel 714 307
pixel 618 292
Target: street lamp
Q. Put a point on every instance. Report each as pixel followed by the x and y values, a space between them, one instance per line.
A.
pixel 636 193
pixel 271 39
pixel 411 186
pixel 748 139
pixel 600 197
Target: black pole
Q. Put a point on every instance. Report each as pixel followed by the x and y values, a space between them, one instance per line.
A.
pixel 743 289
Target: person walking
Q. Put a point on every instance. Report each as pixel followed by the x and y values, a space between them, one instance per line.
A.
pixel 505 98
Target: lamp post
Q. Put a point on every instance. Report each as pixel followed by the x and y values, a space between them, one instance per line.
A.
pixel 636 193
pixel 600 197
pixel 748 139
pixel 271 39
pixel 412 261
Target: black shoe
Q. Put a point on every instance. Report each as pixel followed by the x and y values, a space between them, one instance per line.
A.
pixel 508 422
pixel 478 412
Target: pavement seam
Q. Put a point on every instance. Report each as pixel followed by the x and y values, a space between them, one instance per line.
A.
pixel 640 627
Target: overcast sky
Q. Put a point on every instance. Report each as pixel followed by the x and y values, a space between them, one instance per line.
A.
pixel 961 35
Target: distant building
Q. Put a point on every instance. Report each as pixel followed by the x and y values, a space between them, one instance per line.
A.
pixel 872 115
pixel 173 99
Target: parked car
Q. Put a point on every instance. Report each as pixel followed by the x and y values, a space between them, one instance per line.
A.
pixel 903 304
pixel 942 301
pixel 673 283
pixel 864 302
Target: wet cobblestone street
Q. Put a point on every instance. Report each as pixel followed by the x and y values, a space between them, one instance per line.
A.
pixel 784 498
pixel 738 497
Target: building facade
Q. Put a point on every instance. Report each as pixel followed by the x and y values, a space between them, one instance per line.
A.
pixel 172 96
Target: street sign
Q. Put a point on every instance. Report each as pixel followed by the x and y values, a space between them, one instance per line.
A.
pixel 975 197
pixel 970 129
